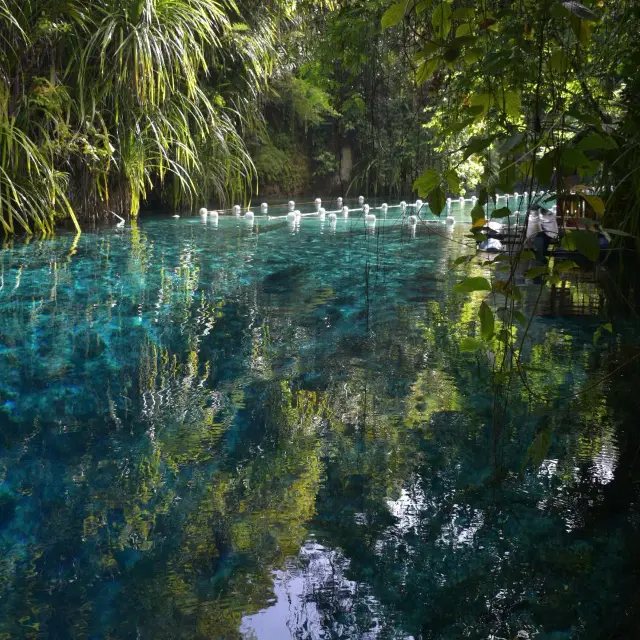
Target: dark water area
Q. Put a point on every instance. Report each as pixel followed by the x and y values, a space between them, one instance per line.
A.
pixel 269 431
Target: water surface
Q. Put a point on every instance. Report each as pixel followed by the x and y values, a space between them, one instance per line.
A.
pixel 269 431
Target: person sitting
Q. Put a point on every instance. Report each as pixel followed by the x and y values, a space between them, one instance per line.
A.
pixel 542 231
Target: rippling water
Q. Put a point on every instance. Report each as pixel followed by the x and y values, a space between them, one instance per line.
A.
pixel 267 431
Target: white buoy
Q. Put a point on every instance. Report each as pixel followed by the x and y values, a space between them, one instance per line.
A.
pixel 533 194
pixel 213 215
pixel 345 212
pixel 526 194
pixel 249 215
pixel 474 199
pixel 419 204
pixel 412 220
pixel 318 204
pixel 366 209
pixel 450 220
pixel 204 213
pixel 541 193
pixel 403 206
pixel 339 202
pixel 291 216
pixel 292 205
pixel 176 216
pixel 322 213
pixel 449 201
pixel 333 217
pixel 237 210
pixel 461 199
pixel 384 208
pixel 369 218
pixel 264 207
pixel 516 195
pixel 298 215
pixel 361 200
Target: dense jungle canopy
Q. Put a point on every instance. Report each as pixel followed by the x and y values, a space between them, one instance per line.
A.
pixel 117 105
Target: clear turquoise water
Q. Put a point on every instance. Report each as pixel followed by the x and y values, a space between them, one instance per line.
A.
pixel 270 432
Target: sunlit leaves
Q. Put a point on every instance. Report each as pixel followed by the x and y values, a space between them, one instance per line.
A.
pixel 470 345
pixel 426 70
pixel 487 321
pixel 469 285
pixel 453 180
pixel 441 19
pixel 394 14
pixel 427 182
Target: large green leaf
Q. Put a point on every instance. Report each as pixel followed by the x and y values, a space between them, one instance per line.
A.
pixel 487 321
pixel 597 142
pixel 484 100
pixel 437 200
pixel 464 14
pixel 441 19
pixel 394 14
pixel 477 144
pixel 426 70
pixel 595 203
pixel 510 102
pixel 503 212
pixel 584 241
pixel 473 55
pixel 427 182
pixel 468 285
pixel 470 345
pixel 477 213
pixel 544 168
pixel 453 181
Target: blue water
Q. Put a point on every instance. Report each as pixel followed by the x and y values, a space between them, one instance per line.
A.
pixel 269 431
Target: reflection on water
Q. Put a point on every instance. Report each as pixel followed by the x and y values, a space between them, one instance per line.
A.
pixel 235 430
